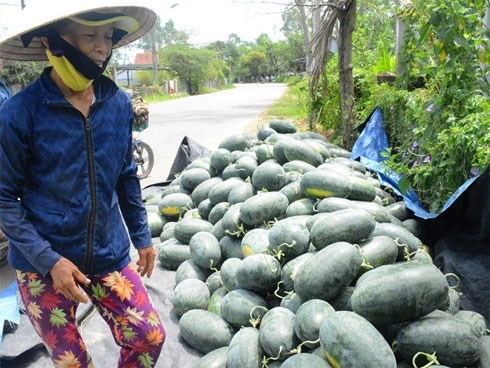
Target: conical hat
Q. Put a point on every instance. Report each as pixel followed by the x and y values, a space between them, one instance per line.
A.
pixel 44 12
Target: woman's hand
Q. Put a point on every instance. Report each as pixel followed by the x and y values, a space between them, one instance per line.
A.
pixel 146 260
pixel 66 278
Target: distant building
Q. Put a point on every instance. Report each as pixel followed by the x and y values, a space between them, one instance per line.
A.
pixel 144 58
pixel 126 74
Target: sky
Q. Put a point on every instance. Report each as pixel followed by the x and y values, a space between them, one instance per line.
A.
pixel 205 20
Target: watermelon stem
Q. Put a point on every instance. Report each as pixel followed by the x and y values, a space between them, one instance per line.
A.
pixel 271 269
pixel 238 232
pixel 184 209
pixel 409 256
pixel 365 261
pixel 278 253
pixel 430 357
pixel 255 321
pixel 385 201
pixel 406 249
pixel 265 361
pixel 458 280
pixel 298 348
pixel 276 292
pixel 214 269
pixel 271 223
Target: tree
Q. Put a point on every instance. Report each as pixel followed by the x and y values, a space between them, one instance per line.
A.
pixel 320 44
pixel 172 36
pixel 265 44
pixel 342 11
pixel 282 58
pixel 232 54
pixel 192 65
pixel 369 45
pixel 155 36
pixel 253 63
pixel 306 33
pixel 22 72
pixel 347 21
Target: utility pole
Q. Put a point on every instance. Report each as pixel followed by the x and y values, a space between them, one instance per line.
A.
pixel 486 24
pixel 154 56
pixel 399 44
pixel 22 4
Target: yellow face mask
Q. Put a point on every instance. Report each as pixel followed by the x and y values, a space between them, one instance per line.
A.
pixel 67 72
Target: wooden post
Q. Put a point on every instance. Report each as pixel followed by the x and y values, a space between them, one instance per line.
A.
pixel 114 74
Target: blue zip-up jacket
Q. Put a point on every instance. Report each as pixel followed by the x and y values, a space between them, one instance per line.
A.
pixel 65 180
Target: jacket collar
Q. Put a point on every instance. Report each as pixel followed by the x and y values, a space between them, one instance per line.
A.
pixel 104 88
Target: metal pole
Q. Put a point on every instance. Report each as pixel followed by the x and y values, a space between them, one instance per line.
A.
pixel 22 4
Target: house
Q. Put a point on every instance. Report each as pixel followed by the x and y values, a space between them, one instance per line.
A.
pixel 126 74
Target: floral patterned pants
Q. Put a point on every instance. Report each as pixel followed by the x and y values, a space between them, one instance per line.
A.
pixel 123 302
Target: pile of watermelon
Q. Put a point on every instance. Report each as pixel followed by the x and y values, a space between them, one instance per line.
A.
pixel 288 253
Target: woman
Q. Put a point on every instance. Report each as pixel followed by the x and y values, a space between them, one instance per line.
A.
pixel 70 198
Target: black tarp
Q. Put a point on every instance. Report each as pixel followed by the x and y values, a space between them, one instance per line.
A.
pixel 189 150
pixel 460 238
pixel 458 235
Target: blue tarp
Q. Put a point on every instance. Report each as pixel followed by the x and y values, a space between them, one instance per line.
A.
pixel 9 307
pixel 372 141
pixel 4 91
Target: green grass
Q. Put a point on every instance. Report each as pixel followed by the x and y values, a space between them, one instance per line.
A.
pixel 292 105
pixel 160 97
pixel 163 97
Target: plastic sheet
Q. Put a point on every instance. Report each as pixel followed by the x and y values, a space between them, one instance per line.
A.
pixel 4 91
pixel 188 151
pixel 372 141
pixel 9 308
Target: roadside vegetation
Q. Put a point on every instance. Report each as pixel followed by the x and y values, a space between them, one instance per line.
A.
pixel 293 105
pixel 436 111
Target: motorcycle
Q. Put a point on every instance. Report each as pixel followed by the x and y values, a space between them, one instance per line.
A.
pixel 143 157
pixel 142 153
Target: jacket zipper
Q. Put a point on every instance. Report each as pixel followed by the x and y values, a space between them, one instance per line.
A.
pixel 93 198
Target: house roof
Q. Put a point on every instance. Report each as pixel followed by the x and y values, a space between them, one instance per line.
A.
pixel 143 58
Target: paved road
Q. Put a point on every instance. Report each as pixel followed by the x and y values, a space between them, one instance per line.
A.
pixel 207 119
